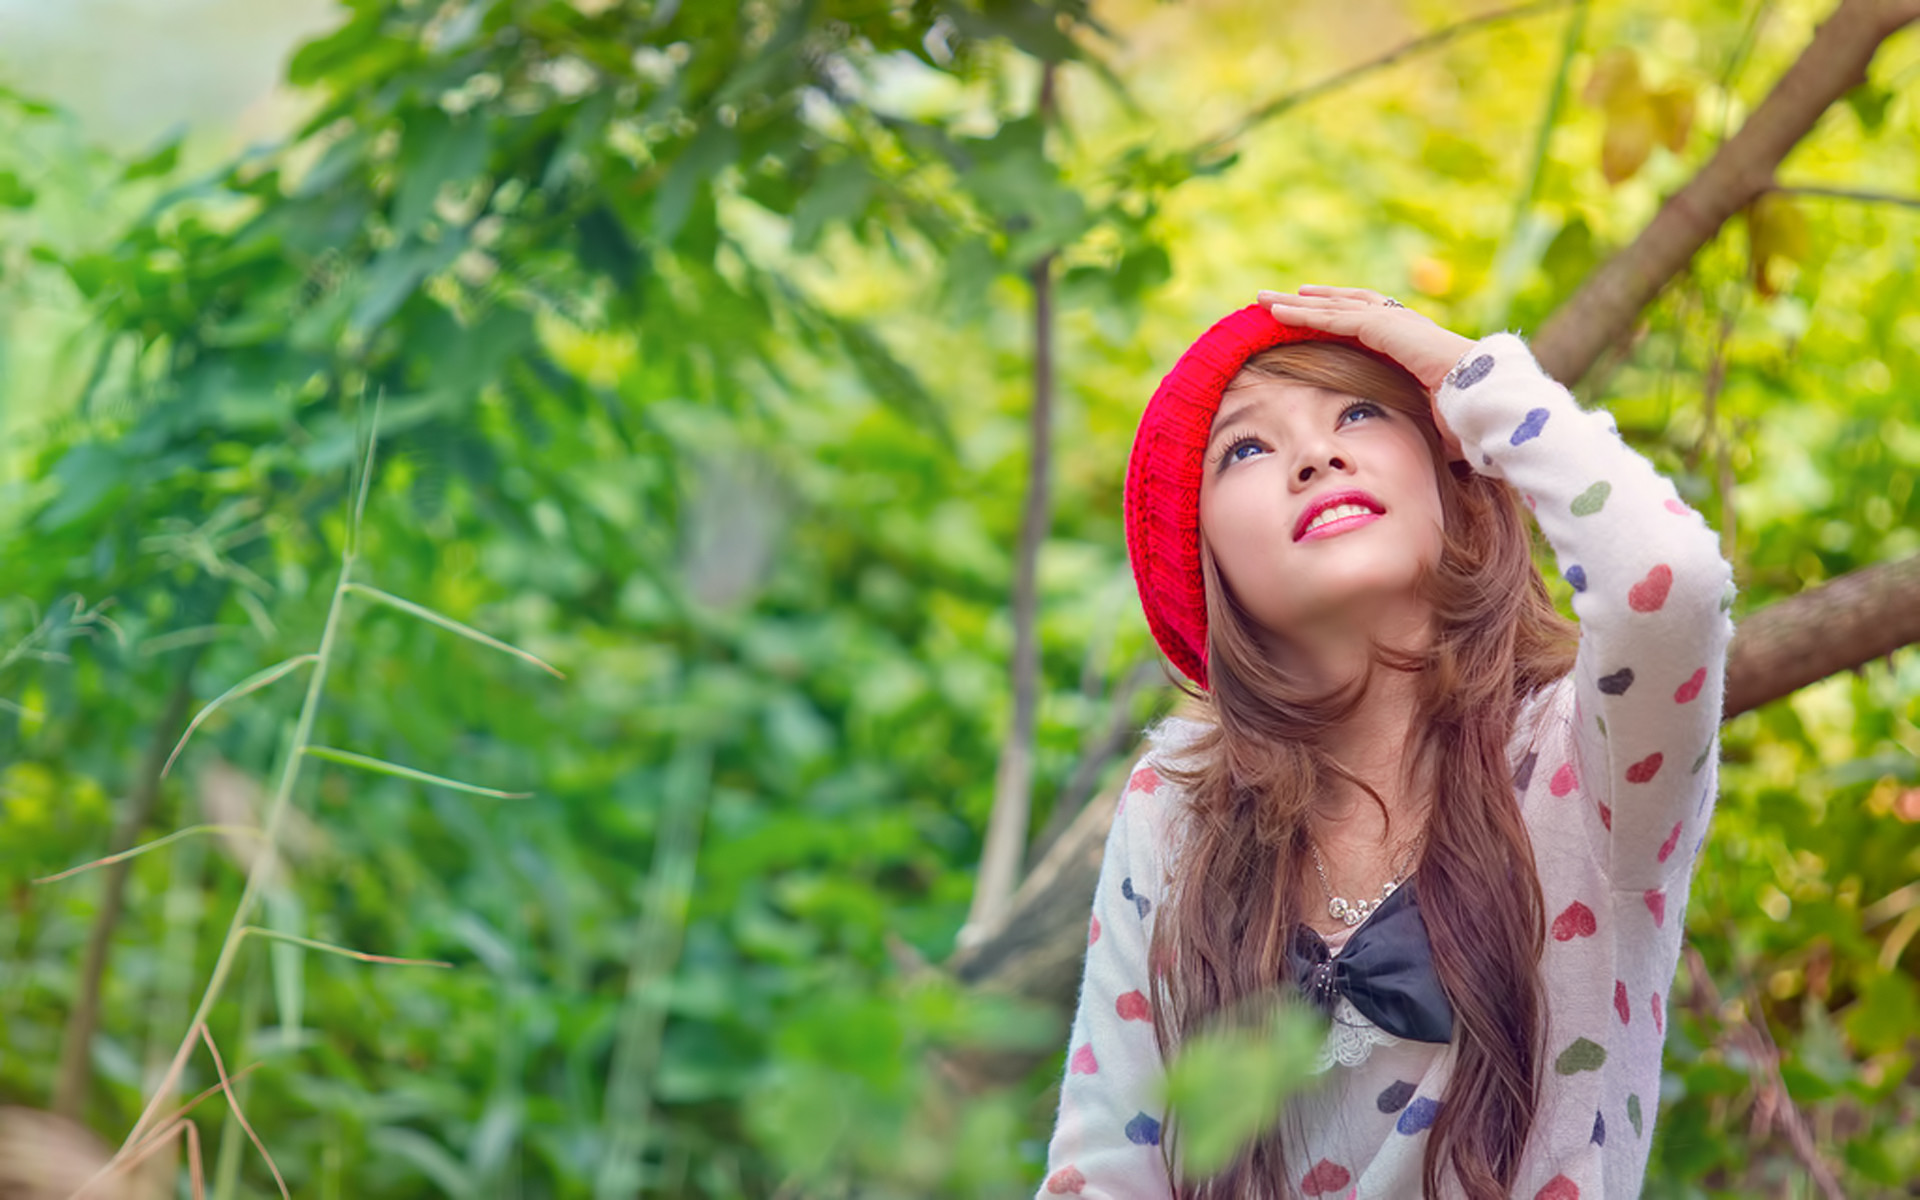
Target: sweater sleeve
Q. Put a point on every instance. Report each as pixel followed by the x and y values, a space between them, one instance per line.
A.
pixel 1106 1140
pixel 1651 592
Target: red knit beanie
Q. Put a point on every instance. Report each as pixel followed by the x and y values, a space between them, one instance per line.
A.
pixel 1163 478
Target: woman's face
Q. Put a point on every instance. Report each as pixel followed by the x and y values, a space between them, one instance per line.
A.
pixel 1321 509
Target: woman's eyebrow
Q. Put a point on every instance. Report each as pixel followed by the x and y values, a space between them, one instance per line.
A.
pixel 1230 420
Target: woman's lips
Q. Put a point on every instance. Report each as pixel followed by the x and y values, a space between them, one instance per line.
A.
pixel 1352 498
pixel 1338 526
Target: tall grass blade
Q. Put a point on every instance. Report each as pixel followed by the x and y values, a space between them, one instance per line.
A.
pixel 342 951
pixel 245 687
pixel 155 844
pixel 233 1103
pixel 380 766
pixel 452 626
pixel 366 467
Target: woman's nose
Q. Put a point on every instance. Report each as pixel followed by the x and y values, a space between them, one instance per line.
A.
pixel 1313 464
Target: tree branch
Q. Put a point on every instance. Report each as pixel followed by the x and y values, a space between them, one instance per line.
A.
pixel 1604 310
pixel 1842 624
pixel 1280 105
pixel 1832 193
pixel 1005 850
pixel 76 1044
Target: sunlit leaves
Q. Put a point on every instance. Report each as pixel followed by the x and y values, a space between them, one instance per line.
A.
pixel 1778 240
pixel 1639 117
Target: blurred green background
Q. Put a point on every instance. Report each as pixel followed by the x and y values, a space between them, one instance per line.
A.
pixel 703 338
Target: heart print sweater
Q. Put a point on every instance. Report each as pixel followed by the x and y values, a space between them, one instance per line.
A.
pixel 1614 775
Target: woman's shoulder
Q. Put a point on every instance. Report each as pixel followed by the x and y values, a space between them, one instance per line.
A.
pixel 1153 800
pixel 1174 740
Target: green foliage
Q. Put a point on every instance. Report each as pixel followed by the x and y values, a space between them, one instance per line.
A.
pixel 1226 1087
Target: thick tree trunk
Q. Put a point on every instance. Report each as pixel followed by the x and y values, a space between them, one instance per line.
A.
pixel 1603 312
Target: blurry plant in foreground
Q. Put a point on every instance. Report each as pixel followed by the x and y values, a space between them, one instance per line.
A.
pixel 1226 1085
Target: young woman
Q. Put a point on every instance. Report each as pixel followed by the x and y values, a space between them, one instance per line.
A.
pixel 1413 795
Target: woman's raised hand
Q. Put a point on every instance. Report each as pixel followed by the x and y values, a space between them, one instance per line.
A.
pixel 1426 350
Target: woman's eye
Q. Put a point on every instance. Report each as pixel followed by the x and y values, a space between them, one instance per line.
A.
pixel 1366 407
pixel 1238 452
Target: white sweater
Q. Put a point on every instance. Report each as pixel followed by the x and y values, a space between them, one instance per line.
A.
pixel 1614 770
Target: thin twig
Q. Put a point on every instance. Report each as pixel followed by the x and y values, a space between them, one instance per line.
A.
pixel 1771 1095
pixel 1833 193
pixel 1313 91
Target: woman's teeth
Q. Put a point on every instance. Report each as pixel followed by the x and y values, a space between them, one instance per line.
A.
pixel 1336 513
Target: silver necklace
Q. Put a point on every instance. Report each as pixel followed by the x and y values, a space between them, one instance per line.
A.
pixel 1352 912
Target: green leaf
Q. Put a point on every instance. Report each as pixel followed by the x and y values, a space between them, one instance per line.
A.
pixel 394 277
pixel 1886 1014
pixel 378 766
pixel 839 193
pixel 438 152
pixel 160 162
pixel 324 55
pixel 1869 103
pixel 1227 1087
pixel 711 149
pixel 285 916
pixel 14 193
pixel 452 626
pixel 245 687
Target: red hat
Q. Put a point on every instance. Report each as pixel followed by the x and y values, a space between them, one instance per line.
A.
pixel 1163 478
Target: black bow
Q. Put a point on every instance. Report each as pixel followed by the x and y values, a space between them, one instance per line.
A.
pixel 1385 969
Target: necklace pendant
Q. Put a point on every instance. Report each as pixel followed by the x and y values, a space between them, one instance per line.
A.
pixel 1355 913
pixel 1389 889
pixel 1338 910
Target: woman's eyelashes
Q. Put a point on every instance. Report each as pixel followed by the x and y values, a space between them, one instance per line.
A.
pixel 1233 452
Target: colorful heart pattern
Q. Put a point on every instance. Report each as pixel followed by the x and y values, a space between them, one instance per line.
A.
pixel 1326 1176
pixel 1576 921
pixel 1083 1061
pixel 1691 688
pixel 1648 642
pixel 1558 1188
pixel 1644 770
pixel 1394 1097
pixel 1584 1054
pixel 1592 500
pixel 1650 593
pixel 1673 839
pixel 1536 420
pixel 1418 1116
pixel 1143 1130
pixel 1467 374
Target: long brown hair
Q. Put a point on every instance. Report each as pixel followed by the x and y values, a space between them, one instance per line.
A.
pixel 1252 778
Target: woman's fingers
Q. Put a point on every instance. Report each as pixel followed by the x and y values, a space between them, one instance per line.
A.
pixel 1332 320
pixel 1364 295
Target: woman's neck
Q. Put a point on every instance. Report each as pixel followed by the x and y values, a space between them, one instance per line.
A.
pixel 1374 743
